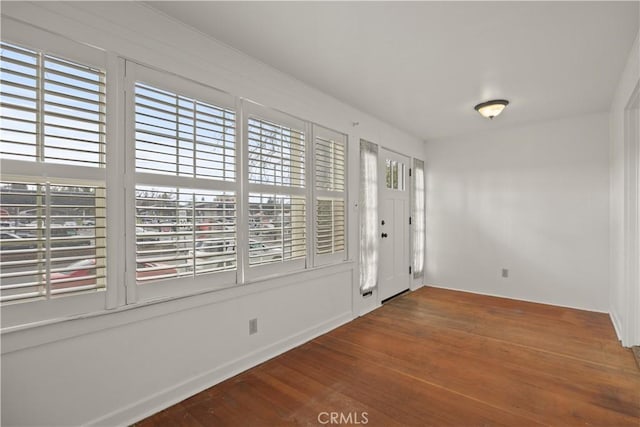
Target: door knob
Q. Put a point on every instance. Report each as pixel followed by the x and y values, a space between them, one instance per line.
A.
pixel 383 222
pixel 384 235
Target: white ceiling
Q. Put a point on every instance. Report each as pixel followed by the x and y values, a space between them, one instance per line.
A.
pixel 422 66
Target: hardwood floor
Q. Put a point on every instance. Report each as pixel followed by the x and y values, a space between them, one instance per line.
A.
pixel 436 357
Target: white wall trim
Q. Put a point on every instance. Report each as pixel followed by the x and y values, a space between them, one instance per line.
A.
pixel 616 323
pixel 366 309
pixel 172 395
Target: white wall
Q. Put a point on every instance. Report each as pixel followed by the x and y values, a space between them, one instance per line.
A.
pixel 119 372
pixel 116 367
pixel 532 199
pixel 622 306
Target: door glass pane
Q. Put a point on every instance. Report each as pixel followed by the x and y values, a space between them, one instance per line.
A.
pixel 388 173
pixel 394 175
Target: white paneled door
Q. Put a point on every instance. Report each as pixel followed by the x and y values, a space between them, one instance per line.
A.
pixel 394 214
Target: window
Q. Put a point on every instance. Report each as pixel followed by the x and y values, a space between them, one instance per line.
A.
pixel 177 135
pixel 183 232
pixel 276 154
pixel 277 197
pixel 330 200
pixel 53 240
pixel 53 220
pixel 330 226
pixel 185 182
pixel 191 205
pixel 52 109
pixel 197 212
pixel 419 214
pixel 276 228
pixel 369 242
pixel 394 175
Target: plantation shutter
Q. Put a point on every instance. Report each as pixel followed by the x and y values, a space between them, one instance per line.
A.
pixel 53 110
pixel 178 135
pixel 186 207
pixel 53 222
pixel 276 152
pixel 330 195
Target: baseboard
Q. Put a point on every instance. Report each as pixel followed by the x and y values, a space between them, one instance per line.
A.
pixel 616 325
pixel 172 395
pixel 369 309
pixel 517 299
pixel 416 286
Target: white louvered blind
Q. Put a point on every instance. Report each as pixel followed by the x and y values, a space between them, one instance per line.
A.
pixel 52 240
pixel 182 136
pixel 276 167
pixel 276 154
pixel 276 228
pixel 53 110
pixel 330 164
pixel 330 226
pixel 186 229
pixel 330 191
pixel 183 232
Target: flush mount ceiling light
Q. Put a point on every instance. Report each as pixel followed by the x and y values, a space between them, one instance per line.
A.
pixel 490 109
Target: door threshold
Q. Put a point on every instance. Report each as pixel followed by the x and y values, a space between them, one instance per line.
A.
pixel 395 296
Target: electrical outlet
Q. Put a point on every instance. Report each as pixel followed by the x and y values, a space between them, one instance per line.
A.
pixel 253 326
pixel 505 272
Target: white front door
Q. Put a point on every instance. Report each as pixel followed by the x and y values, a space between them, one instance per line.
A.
pixel 394 223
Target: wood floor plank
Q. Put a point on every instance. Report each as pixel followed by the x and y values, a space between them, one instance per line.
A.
pixel 437 357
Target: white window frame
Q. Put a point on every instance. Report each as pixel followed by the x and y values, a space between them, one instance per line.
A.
pixel 338 138
pixel 179 286
pixel 26 312
pixel 253 110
